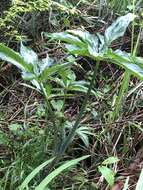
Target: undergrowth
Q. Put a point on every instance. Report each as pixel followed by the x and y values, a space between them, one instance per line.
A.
pixel 71 109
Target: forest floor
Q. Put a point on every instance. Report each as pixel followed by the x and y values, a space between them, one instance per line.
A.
pixel 22 114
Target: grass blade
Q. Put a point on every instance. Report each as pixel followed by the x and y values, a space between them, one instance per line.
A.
pixel 57 171
pixel 34 173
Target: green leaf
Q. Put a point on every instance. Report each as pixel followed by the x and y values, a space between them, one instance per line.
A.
pixel 79 88
pixel 57 171
pixel 28 76
pixel 57 105
pixel 54 69
pixel 34 173
pixel 84 138
pixel 74 45
pixel 28 54
pixel 80 42
pixel 118 28
pixel 128 62
pixel 13 57
pixel 65 37
pixel 110 160
pixel 75 50
pixel 47 62
pixel 108 174
pixel 38 66
pixel 140 182
pixel 36 84
pixel 83 132
pixel 93 44
pixel 84 36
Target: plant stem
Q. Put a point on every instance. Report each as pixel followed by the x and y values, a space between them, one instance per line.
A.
pixel 133 29
pixel 58 142
pixel 50 111
pixel 123 89
pixel 69 138
pixel 126 79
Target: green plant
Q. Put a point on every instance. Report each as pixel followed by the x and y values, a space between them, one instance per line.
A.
pixel 83 132
pixel 43 184
pixel 41 73
pixel 106 172
pixel 27 147
pixel 98 47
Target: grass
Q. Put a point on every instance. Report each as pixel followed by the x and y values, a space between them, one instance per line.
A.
pixel 37 124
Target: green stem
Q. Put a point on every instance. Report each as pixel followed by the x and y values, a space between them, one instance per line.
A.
pixel 123 90
pixel 62 119
pixel 69 138
pixel 126 79
pixel 133 29
pixel 58 142
pixel 51 112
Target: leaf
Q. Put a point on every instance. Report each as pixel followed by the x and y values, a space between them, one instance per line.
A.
pixel 57 171
pixel 57 105
pixel 13 57
pixel 65 37
pixel 34 173
pixel 110 160
pixel 28 76
pixel 84 138
pixel 36 84
pixel 140 182
pixel 75 50
pixel 80 86
pixel 108 174
pixel 29 86
pixel 54 69
pixel 83 43
pixel 83 133
pixel 28 54
pixel 84 36
pixel 47 62
pixel 118 28
pixel 78 42
pixel 70 75
pixel 93 43
pixel 38 66
pixel 125 60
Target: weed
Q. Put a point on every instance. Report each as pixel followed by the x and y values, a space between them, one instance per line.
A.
pixel 97 47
